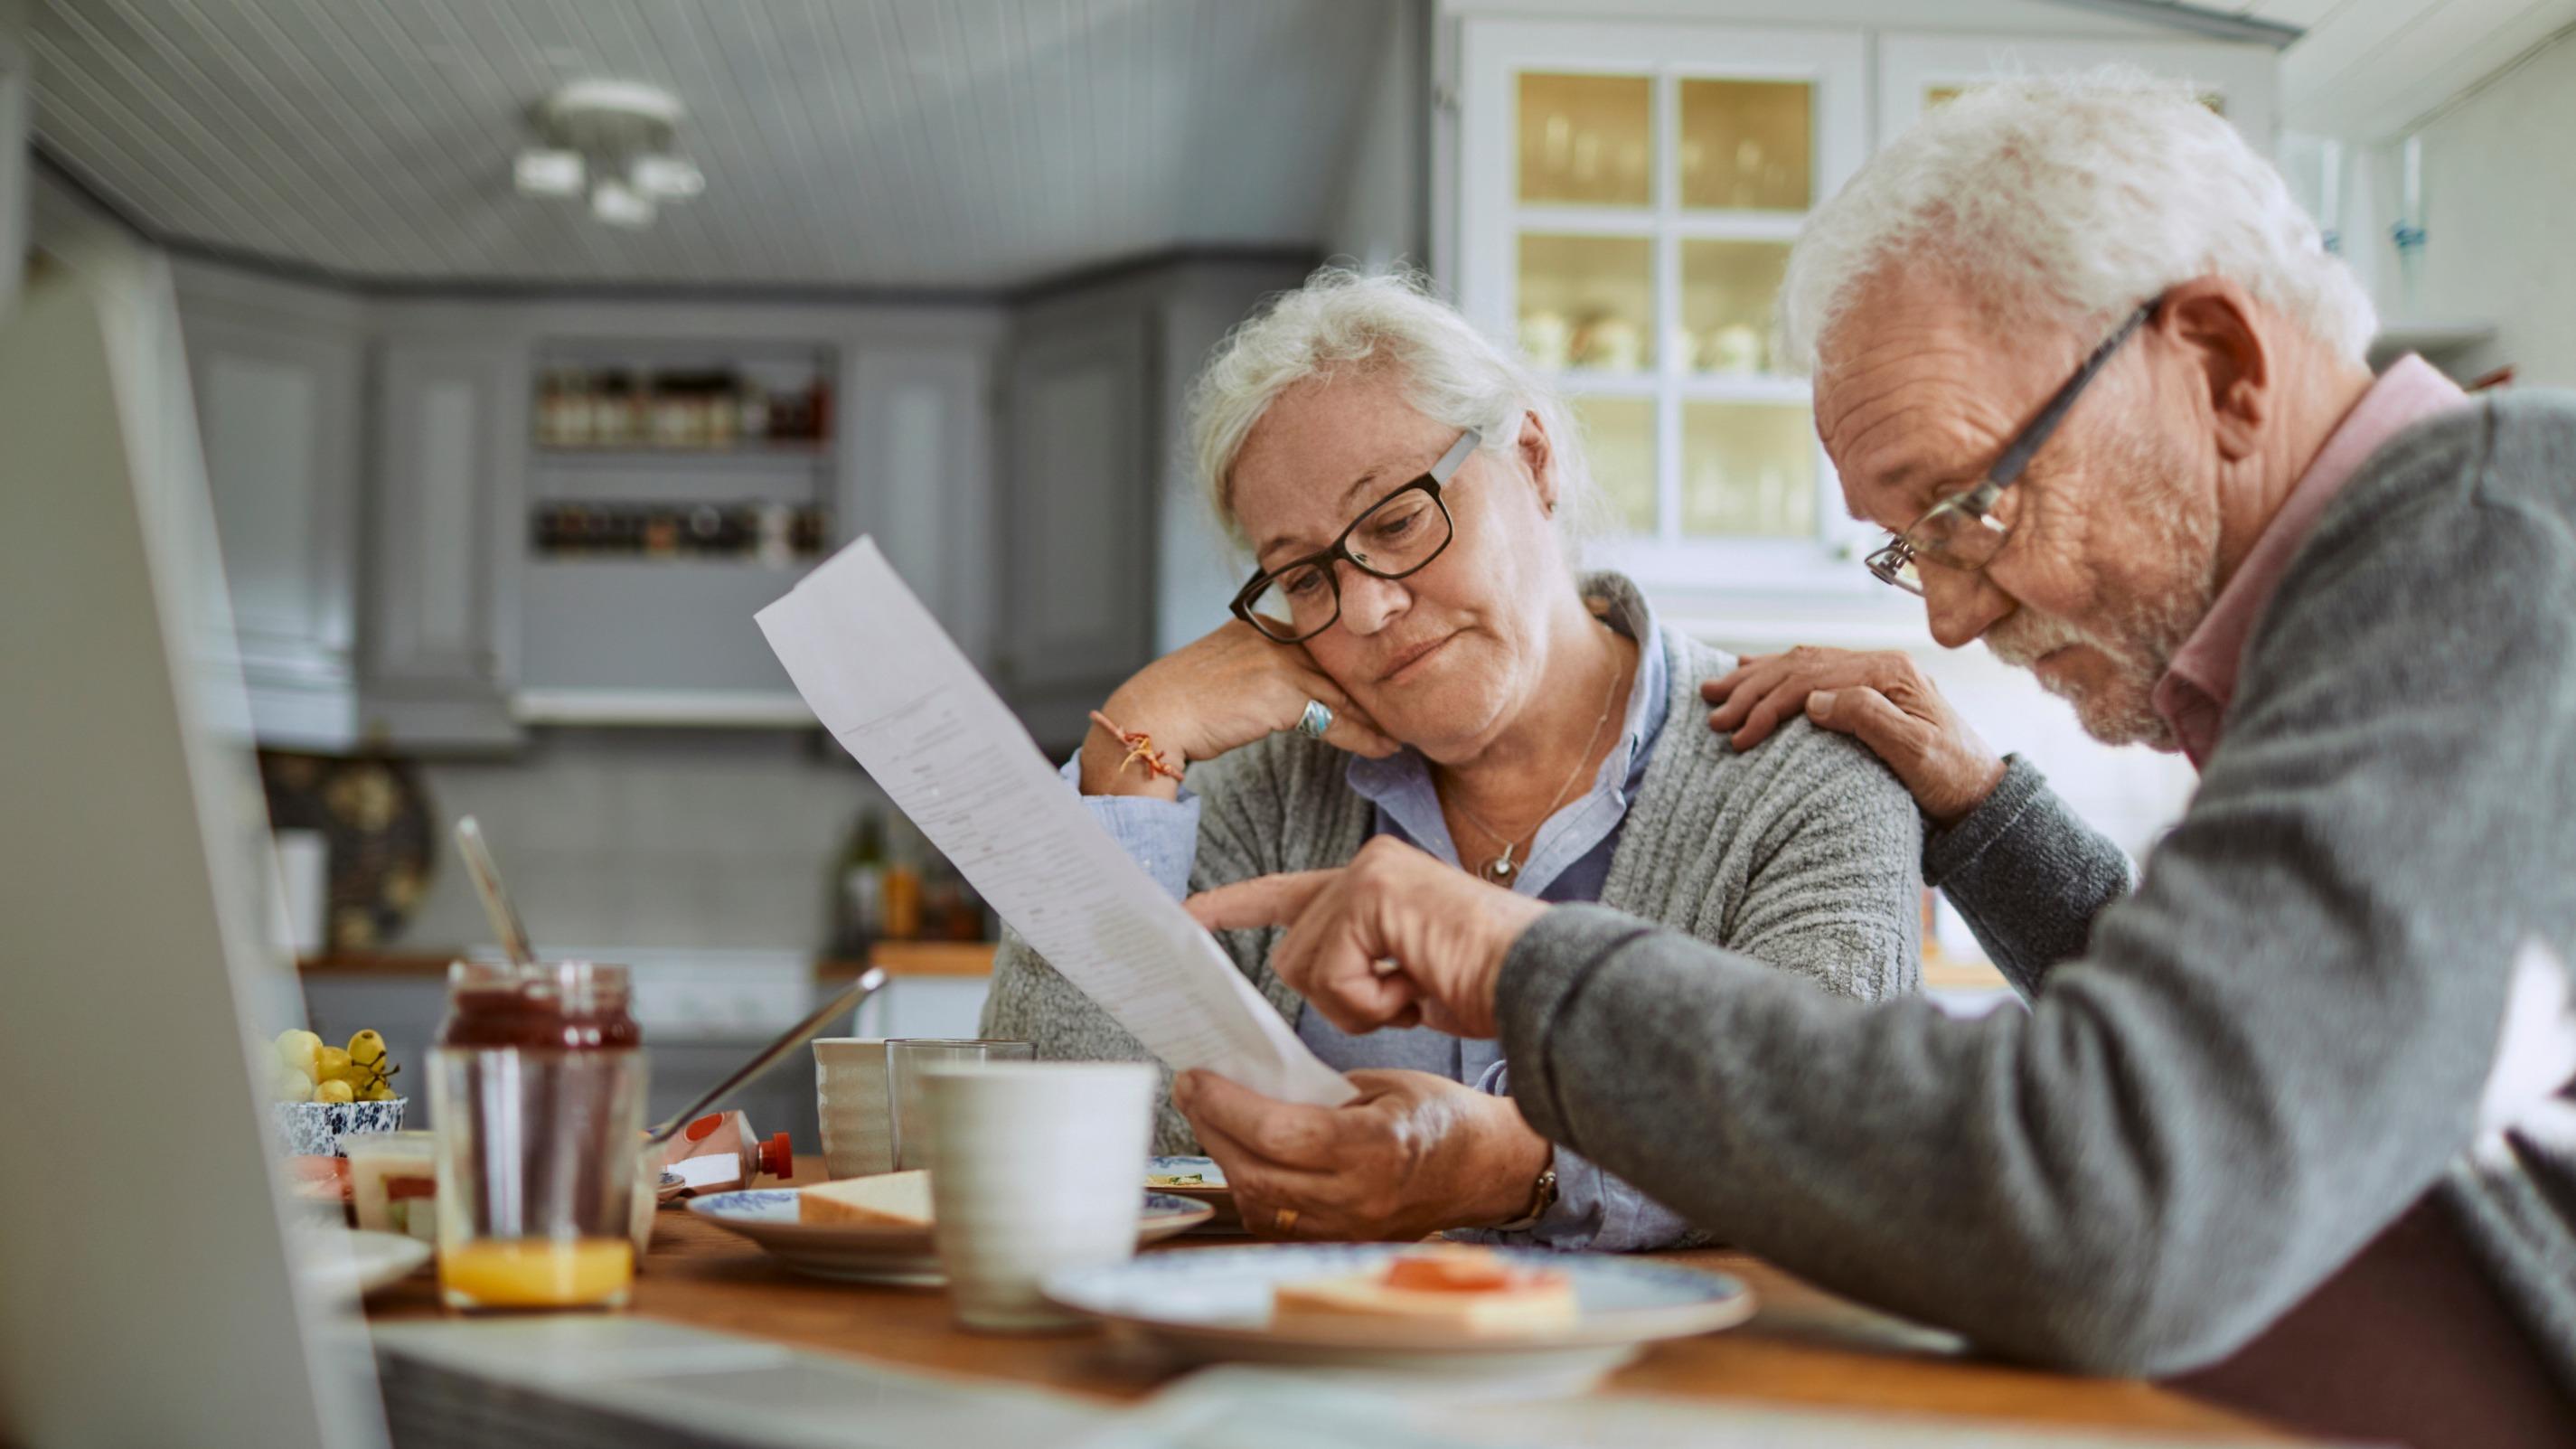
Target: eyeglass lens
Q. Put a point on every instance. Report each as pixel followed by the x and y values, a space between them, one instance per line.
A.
pixel 1391 540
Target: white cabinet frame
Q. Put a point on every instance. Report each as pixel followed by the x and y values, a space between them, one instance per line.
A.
pixel 1492 55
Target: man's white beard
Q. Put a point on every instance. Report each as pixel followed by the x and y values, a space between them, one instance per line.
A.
pixel 2140 637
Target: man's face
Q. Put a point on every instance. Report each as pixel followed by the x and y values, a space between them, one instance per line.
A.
pixel 2113 555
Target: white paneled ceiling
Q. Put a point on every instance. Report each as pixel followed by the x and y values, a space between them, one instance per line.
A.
pixel 847 143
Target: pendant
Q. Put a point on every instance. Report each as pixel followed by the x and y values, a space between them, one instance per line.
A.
pixel 1500 869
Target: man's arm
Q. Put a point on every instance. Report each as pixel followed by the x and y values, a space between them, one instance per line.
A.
pixel 2027 874
pixel 2266 1054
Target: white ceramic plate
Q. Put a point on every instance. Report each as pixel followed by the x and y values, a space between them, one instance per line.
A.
pixel 1213 1192
pixel 354 1262
pixel 1215 1304
pixel 867 1253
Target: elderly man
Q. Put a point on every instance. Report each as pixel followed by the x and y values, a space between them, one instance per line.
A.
pixel 2292 1115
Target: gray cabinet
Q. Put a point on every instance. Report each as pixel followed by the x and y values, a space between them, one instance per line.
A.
pixel 1078 516
pixel 916 475
pixel 276 378
pixel 445 549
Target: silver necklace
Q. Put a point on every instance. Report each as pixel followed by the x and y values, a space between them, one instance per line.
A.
pixel 1502 868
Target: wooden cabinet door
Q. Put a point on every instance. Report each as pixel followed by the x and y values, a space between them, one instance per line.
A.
pixel 277 401
pixel 1077 577
pixel 442 622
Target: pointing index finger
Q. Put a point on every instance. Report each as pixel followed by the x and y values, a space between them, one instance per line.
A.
pixel 1270 900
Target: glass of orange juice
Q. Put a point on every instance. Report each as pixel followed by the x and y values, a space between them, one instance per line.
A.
pixel 537 1085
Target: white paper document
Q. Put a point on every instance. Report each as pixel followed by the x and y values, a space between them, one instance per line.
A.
pixel 888 683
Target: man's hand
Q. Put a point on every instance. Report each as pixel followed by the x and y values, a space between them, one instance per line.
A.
pixel 1395 938
pixel 1415 1154
pixel 1878 698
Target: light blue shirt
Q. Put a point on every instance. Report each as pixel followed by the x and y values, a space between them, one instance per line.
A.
pixel 1568 861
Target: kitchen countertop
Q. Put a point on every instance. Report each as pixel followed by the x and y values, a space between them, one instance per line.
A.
pixel 899 958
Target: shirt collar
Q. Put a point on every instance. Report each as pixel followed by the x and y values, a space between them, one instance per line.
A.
pixel 2193 695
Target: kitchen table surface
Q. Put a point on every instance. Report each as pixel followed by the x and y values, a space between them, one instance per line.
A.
pixel 1802 1346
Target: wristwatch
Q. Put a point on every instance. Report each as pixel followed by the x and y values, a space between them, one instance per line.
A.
pixel 1542 1197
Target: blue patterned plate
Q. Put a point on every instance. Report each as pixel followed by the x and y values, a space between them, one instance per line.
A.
pixel 1215 1304
pixel 880 1253
pixel 1211 1190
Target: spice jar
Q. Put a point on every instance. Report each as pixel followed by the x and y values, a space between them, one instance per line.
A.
pixel 537 1085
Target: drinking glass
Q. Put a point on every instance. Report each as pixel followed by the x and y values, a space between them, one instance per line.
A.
pixel 538 1087
pixel 907 1117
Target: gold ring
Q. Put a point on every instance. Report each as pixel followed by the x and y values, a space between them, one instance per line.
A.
pixel 1284 1221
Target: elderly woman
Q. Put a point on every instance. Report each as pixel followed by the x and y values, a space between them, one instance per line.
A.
pixel 1417 658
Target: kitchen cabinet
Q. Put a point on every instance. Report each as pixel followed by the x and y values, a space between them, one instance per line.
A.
pixel 276 375
pixel 447 552
pixel 1619 197
pixel 1078 513
pixel 1628 194
pixel 917 475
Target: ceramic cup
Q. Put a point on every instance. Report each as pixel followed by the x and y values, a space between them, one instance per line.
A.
pixel 850 1091
pixel 1035 1167
pixel 907 1118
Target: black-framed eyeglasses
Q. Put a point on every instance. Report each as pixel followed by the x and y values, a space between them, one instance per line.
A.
pixel 1961 531
pixel 1398 535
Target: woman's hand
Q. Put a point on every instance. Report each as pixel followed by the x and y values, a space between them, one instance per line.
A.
pixel 1395 938
pixel 1878 698
pixel 1415 1154
pixel 1212 695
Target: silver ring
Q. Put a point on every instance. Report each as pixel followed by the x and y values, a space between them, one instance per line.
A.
pixel 1317 719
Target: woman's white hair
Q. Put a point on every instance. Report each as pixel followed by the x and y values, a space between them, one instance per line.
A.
pixel 1344 323
pixel 2071 199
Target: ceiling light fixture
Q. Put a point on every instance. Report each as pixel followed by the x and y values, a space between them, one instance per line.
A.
pixel 618 139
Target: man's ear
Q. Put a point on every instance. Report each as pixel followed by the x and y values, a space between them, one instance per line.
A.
pixel 1538 455
pixel 2213 321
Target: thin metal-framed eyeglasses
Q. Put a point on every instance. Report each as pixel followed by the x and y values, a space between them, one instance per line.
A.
pixel 1961 531
pixel 1397 535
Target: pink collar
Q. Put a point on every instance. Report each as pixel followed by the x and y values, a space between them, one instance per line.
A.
pixel 2194 694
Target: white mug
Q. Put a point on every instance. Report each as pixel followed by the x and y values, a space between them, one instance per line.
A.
pixel 1035 1166
pixel 850 1093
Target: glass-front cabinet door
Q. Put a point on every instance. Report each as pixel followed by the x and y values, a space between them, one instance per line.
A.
pixel 1627 195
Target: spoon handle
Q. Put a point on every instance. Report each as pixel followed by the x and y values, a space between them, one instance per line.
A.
pixel 496 897
pixel 797 1035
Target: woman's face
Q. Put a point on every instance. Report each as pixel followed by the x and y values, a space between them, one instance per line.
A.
pixel 1442 659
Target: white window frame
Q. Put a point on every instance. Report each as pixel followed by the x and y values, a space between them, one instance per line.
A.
pixel 1492 55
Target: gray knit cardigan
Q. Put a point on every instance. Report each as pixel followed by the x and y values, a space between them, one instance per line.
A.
pixel 1803 853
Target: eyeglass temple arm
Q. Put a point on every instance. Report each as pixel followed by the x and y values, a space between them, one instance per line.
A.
pixel 1467 443
pixel 2008 468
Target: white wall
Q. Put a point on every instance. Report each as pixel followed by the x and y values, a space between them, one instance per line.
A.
pixel 2500 219
pixel 1376 217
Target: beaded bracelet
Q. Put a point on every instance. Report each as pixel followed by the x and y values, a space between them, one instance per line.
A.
pixel 1140 747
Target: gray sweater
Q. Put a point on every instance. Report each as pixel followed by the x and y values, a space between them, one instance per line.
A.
pixel 2276 1046
pixel 1801 853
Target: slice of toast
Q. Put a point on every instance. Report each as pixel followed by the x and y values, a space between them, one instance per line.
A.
pixel 887 1199
pixel 1496 1301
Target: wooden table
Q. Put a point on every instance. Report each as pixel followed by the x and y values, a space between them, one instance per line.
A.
pixel 1803 1346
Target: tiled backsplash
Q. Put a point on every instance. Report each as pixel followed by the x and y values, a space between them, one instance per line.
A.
pixel 680 838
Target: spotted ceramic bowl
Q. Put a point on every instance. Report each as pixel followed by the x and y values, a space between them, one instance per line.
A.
pixel 314 1129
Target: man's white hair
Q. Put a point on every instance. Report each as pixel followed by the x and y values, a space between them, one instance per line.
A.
pixel 1344 323
pixel 2071 199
